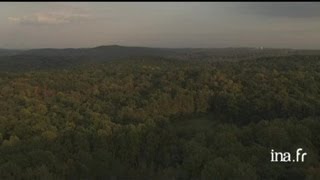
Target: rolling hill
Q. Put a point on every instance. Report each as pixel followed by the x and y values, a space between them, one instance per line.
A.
pixel 38 59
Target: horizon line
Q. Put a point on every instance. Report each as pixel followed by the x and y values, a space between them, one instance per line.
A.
pixel 158 47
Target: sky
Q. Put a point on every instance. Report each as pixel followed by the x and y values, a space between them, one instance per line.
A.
pixel 27 25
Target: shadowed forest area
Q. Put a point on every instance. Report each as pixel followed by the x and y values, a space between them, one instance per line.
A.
pixel 169 117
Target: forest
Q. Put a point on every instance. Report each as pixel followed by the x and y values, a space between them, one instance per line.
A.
pixel 162 118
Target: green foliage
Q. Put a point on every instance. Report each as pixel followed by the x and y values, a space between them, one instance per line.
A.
pixel 161 119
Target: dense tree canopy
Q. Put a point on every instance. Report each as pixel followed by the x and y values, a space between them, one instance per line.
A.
pixel 161 118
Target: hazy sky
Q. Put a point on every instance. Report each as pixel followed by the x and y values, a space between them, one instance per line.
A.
pixel 160 24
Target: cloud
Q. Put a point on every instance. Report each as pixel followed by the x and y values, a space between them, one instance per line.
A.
pixel 282 9
pixel 62 16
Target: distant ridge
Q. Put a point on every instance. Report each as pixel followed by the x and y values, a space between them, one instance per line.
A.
pixel 23 60
pixel 109 46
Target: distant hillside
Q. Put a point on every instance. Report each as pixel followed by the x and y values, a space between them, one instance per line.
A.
pixel 105 52
pixel 9 52
pixel 35 59
pixel 62 58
